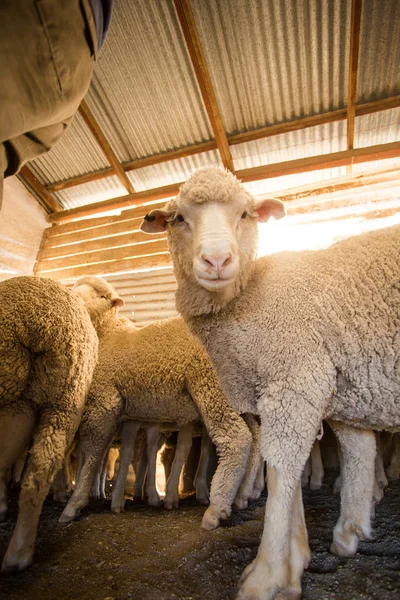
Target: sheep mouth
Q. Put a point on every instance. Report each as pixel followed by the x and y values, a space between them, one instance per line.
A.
pixel 214 285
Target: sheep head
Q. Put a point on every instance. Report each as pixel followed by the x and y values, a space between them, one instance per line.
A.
pixel 212 235
pixel 101 300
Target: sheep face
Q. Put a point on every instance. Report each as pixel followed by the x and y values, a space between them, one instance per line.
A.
pixel 212 228
pixel 101 300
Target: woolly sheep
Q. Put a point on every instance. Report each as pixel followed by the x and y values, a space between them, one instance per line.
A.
pixel 48 350
pixel 161 373
pixel 295 338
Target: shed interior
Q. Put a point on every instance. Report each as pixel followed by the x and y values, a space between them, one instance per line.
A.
pixel 301 100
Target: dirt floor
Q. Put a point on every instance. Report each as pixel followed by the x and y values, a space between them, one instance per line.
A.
pixel 150 554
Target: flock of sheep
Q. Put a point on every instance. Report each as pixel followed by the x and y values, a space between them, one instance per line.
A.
pixel 277 345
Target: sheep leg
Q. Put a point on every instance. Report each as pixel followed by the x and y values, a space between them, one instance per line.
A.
pixel 112 457
pixel 60 486
pixel 103 477
pixel 358 448
pixel 96 435
pixel 338 481
pixel 140 469
pixel 317 468
pixel 284 551
pixel 184 444
pixel 167 458
pixel 152 435
pixel 49 446
pixel 305 476
pixel 128 436
pixel 246 489
pixel 200 479
pixel 259 484
pixel 15 434
pixel 97 489
pixel 393 471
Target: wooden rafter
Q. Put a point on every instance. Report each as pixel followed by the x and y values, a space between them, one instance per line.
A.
pixel 193 43
pixel 122 202
pixel 105 146
pixel 239 138
pixel 356 6
pixel 322 161
pixel 39 190
pixel 312 163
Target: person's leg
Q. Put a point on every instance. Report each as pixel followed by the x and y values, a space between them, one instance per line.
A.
pixel 46 63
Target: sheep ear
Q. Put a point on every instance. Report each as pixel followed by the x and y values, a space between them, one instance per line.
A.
pixel 156 221
pixel 118 302
pixel 271 207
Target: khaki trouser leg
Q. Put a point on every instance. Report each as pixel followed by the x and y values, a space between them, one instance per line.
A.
pixel 47 50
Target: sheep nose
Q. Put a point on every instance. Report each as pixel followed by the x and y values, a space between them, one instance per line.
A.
pixel 217 261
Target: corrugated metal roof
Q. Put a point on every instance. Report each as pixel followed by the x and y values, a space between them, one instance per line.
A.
pixel 76 153
pixel 379 59
pixel 277 60
pixel 378 128
pixel 269 60
pixel 144 92
pixel 312 141
pixel 173 171
pixel 94 191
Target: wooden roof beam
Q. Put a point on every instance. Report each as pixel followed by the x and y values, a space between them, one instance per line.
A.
pixel 302 165
pixel 324 161
pixel 39 190
pixel 356 7
pixel 105 146
pixel 121 202
pixel 239 138
pixel 193 43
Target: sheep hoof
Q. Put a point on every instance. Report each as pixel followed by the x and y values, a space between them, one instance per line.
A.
pixel 14 562
pixel 315 484
pixel 155 501
pixel 241 503
pixel 203 497
pixel 117 509
pixel 67 515
pixel 393 473
pixel 170 504
pixel 211 519
pixel 341 550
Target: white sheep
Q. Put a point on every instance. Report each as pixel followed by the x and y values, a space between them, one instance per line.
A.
pixel 48 350
pixel 160 373
pixel 295 338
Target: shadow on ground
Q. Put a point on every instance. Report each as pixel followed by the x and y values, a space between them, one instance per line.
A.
pixel 152 554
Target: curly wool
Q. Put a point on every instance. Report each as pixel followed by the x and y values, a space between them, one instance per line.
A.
pixel 48 350
pixel 157 374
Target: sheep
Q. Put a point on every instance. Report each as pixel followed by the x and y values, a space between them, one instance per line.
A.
pixel 294 337
pixel 313 472
pixel 160 374
pixel 48 350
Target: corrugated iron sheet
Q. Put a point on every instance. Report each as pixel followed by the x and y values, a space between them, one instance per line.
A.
pixel 144 92
pixel 312 141
pixel 379 62
pixel 173 171
pixel 87 193
pixel 270 61
pixel 378 128
pixel 275 60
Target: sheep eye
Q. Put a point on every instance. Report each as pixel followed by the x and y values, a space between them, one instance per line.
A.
pixel 244 215
pixel 179 218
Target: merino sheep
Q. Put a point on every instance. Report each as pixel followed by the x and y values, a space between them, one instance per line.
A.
pixel 160 373
pixel 295 338
pixel 48 350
